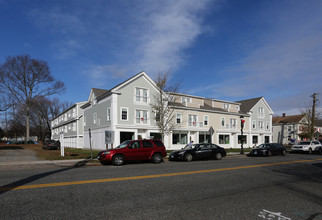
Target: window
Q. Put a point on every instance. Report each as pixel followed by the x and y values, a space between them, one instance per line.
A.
pixel 260 125
pixel 108 114
pixel 289 128
pixel 204 138
pixel 254 124
pixel 141 95
pixel 94 118
pixel 178 118
pixel 267 125
pixel 223 122
pixel 260 112
pixel 226 106
pixel 233 123
pixel 157 116
pixel 137 94
pixel 179 138
pixel 223 139
pixel 205 120
pixel 158 143
pixel 74 112
pixel 255 139
pixel 124 114
pixel 135 145
pixel 141 116
pixel 192 120
pixel 74 126
pixel 185 100
pixel 147 144
pixel 65 129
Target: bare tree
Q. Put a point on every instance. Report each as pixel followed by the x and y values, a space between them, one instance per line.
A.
pixel 164 114
pixel 27 79
pixel 310 116
pixel 43 112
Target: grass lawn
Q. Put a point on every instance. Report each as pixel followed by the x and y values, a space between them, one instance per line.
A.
pixel 70 153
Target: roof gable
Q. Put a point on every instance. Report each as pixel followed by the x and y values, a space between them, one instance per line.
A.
pixel 248 104
pixel 288 119
pixel 126 82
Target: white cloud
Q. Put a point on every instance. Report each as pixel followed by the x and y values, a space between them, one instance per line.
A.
pixel 286 62
pixel 141 35
pixel 170 29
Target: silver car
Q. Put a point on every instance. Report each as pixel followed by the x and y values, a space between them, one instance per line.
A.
pixel 307 146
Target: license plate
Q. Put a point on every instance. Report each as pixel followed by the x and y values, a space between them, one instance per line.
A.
pixel 98 157
pixel 255 152
pixel 172 156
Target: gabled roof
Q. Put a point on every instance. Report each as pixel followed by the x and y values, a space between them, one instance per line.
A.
pixel 248 104
pixel 102 93
pixel 99 92
pixel 287 119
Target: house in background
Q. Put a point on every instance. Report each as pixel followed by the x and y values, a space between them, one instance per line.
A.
pixel 260 126
pixel 288 129
pixel 68 127
pixel 292 129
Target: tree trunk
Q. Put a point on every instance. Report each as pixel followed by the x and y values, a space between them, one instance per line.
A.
pixel 27 126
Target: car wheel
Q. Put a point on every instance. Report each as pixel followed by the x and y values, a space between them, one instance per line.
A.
pixel 218 156
pixel 310 151
pixel 269 153
pixel 156 158
pixel 188 157
pixel 320 150
pixel 284 152
pixel 118 160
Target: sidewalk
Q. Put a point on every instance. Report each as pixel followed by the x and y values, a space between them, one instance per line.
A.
pixel 73 163
pixel 76 162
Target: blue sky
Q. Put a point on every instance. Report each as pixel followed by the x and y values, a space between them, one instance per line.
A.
pixel 223 49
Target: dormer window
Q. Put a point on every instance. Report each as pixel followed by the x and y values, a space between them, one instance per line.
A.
pixel 185 100
pixel 226 106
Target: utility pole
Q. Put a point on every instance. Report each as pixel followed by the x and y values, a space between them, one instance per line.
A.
pixel 313 115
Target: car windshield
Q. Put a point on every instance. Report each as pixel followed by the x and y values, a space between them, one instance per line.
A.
pixel 304 143
pixel 124 144
pixel 263 146
pixel 189 147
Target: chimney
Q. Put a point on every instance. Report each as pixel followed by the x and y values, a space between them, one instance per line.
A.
pixel 284 115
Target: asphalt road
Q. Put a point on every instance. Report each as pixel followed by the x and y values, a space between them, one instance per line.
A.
pixel 278 187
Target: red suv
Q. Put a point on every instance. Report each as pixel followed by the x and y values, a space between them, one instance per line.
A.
pixel 153 150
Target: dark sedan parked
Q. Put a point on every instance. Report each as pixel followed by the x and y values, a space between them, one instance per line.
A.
pixel 268 150
pixel 198 152
pixel 51 145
